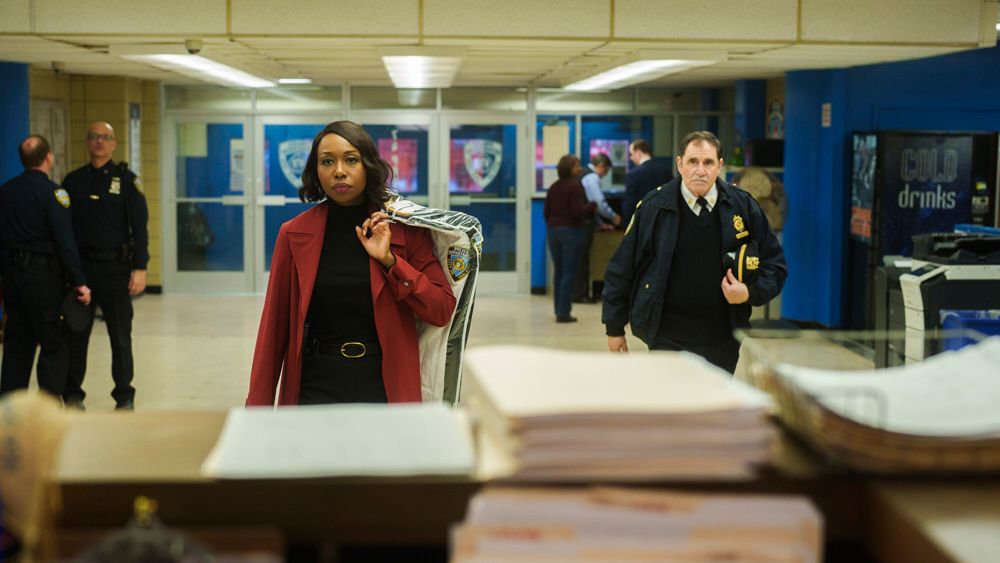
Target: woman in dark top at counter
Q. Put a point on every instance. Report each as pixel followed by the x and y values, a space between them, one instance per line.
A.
pixel 346 287
pixel 565 207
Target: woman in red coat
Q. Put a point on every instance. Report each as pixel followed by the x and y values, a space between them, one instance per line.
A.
pixel 346 287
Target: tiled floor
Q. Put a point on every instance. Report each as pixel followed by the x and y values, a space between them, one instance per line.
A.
pixel 194 352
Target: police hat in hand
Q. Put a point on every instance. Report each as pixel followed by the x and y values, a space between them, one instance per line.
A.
pixel 744 262
pixel 75 314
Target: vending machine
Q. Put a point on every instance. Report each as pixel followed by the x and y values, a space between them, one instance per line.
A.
pixel 906 183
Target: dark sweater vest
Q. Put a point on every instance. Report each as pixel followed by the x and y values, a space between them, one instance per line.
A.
pixel 694 309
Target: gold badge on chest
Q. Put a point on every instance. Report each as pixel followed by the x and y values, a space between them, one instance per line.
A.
pixel 740 228
pixel 116 186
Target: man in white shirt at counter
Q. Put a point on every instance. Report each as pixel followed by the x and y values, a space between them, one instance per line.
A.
pixel 603 219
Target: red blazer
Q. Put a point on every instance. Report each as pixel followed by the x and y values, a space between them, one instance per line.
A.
pixel 416 285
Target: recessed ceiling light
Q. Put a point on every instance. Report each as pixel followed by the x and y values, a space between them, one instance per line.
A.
pixel 422 67
pixel 176 58
pixel 642 66
pixel 294 81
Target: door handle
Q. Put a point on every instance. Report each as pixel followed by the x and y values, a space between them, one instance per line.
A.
pixel 271 200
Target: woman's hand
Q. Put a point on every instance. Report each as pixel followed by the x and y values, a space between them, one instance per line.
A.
pixel 374 235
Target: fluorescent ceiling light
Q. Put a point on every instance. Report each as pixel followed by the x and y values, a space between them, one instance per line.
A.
pixel 176 59
pixel 294 81
pixel 642 67
pixel 422 67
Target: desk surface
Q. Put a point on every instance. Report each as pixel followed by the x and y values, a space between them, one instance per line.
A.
pixel 109 458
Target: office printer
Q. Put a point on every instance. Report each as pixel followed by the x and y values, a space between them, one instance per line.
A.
pixel 949 271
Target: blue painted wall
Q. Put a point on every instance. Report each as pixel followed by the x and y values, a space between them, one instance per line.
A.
pixel 959 92
pixel 750 109
pixel 14 124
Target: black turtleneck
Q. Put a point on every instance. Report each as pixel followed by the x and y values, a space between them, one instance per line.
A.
pixel 341 305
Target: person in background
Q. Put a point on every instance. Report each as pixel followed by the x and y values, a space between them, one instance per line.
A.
pixel 647 175
pixel 565 208
pixel 346 287
pixel 110 221
pixel 604 219
pixel 668 280
pixel 37 255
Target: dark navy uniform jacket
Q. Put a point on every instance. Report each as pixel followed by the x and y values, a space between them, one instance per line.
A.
pixel 35 216
pixel 636 279
pixel 105 200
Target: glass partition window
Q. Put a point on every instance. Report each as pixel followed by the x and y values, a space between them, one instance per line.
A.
pixel 209 179
pixel 482 181
pixel 405 148
pixel 483 161
pixel 556 136
pixel 207 98
pixel 488 99
pixel 387 97
pixel 286 149
pixel 611 135
pixel 209 237
pixel 499 232
pixel 565 101
pixel 312 98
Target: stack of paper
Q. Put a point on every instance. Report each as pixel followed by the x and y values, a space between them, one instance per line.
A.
pixel 939 415
pixel 342 440
pixel 615 525
pixel 570 415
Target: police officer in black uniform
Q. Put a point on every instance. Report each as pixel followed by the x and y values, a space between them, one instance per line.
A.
pixel 37 256
pixel 109 218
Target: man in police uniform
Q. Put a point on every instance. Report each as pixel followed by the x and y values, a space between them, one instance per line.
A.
pixel 109 218
pixel 37 255
pixel 668 279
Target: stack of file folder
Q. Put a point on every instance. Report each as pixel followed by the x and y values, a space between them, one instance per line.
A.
pixel 618 525
pixel 936 416
pixel 580 416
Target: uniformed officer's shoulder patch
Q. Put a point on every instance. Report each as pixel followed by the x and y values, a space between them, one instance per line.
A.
pixel 458 262
pixel 138 185
pixel 62 196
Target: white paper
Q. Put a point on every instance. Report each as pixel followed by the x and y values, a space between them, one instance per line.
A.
pixel 342 440
pixel 524 381
pixel 952 394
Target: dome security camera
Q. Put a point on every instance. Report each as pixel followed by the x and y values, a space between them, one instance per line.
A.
pixel 193 46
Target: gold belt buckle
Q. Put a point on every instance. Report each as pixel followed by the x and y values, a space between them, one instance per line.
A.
pixel 343 350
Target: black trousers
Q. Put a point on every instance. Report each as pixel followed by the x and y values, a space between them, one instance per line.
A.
pixel 32 299
pixel 108 283
pixel 581 283
pixel 724 353
pixel 332 378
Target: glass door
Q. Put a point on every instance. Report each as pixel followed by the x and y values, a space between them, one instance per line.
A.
pixel 207 187
pixel 406 141
pixel 485 176
pixel 283 145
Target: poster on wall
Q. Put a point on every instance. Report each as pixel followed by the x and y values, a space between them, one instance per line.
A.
pixel 134 139
pixel 616 149
pixel 863 187
pixel 927 180
pixel 401 154
pixel 475 163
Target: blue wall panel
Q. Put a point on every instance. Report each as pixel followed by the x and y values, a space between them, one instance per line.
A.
pixel 14 109
pixel 538 248
pixel 959 92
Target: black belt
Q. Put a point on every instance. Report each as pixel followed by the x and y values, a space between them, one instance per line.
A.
pixel 101 255
pixel 348 349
